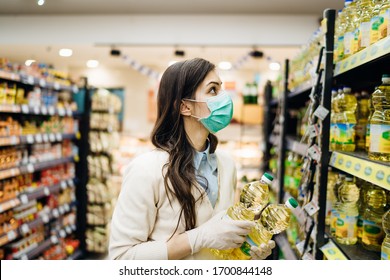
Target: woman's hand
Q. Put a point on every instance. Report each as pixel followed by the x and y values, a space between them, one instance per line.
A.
pixel 263 251
pixel 219 232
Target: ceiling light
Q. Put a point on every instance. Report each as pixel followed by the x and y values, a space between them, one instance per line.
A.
pixel 28 62
pixel 92 63
pixel 40 2
pixel 275 66
pixel 65 52
pixel 225 65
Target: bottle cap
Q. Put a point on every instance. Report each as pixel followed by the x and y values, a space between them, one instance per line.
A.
pixel 268 176
pixel 291 203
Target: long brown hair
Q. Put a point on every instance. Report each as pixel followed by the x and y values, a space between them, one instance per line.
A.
pixel 179 81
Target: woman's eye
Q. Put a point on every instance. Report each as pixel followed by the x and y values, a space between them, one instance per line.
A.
pixel 213 90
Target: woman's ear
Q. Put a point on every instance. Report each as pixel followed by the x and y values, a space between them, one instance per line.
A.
pixel 185 109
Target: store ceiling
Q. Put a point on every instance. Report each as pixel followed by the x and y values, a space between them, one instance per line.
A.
pixel 154 55
pixel 30 7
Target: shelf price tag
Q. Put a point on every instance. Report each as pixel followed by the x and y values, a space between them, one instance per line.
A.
pixel 70 183
pixel 311 208
pixel 30 168
pixel 61 111
pixel 54 239
pixel 14 140
pixel 62 233
pixel 56 86
pixel 30 139
pixel 30 80
pixel 46 191
pixel 63 185
pixel 25 229
pixel 331 252
pixel 52 137
pixel 56 214
pixel 314 152
pixel 66 207
pixel 36 110
pixel 44 110
pixel 321 112
pixel 42 82
pixel 68 230
pixel 11 235
pixel 314 130
pixel 52 110
pixel 59 136
pixel 45 218
pixel 61 210
pixel 23 199
pixel 25 109
pixel 45 138
pixel 24 257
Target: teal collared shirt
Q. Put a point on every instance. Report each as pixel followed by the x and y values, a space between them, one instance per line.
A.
pixel 206 168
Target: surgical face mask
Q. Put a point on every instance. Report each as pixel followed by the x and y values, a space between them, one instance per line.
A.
pixel 221 112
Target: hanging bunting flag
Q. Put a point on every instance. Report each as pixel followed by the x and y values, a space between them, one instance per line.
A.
pixel 144 70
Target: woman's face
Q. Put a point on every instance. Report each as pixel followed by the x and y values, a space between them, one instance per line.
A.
pixel 210 87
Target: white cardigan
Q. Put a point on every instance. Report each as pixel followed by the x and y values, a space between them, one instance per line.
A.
pixel 143 218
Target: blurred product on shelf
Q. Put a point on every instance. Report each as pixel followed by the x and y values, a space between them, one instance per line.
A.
pixel 362 114
pixel 360 24
pixel 380 122
pixel 373 234
pixel 385 249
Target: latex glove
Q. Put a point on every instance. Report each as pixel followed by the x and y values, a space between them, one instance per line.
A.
pixel 220 232
pixel 263 251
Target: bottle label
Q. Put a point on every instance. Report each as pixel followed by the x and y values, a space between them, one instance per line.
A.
pixel 348 41
pixel 380 138
pixel 372 233
pixel 383 30
pixel 340 47
pixel 346 226
pixel 376 22
pixel 334 133
pixel 345 133
pixel 333 221
pixel 364 35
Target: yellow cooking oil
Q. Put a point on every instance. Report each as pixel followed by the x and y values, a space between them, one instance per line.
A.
pixel 385 249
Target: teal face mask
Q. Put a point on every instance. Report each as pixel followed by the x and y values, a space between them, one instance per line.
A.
pixel 221 112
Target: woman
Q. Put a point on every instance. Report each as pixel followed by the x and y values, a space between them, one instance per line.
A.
pixel 173 198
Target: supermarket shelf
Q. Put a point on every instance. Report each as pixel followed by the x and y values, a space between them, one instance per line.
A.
pixel 359 165
pixel 34 138
pixel 37 110
pixel 78 254
pixel 44 218
pixel 376 51
pixel 300 90
pixel 354 252
pixel 40 248
pixel 31 168
pixel 4 206
pixel 33 81
pixel 296 147
pixel 285 247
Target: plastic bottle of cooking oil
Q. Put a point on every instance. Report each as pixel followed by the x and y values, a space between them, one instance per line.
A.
pixel 365 8
pixel 340 26
pixel 330 198
pixel 373 233
pixel 346 227
pixel 347 104
pixel 334 215
pixel 362 119
pixel 254 197
pixel 384 14
pixel 362 204
pixel 380 122
pixel 368 129
pixel 333 121
pixel 296 175
pixel 376 20
pixel 385 249
pixel 339 121
pixel 350 26
pixel 274 219
pixel 289 168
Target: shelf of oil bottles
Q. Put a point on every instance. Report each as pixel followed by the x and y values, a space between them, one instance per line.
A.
pixel 375 51
pixel 359 165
